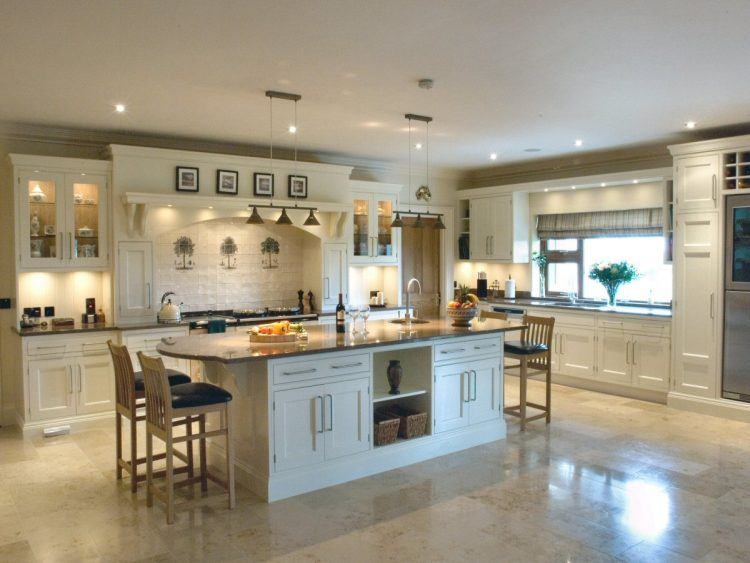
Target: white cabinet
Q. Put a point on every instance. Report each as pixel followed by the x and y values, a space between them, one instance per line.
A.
pixel 62 213
pixel 614 356
pixel 499 228
pixel 649 356
pixel 373 239
pixel 146 341
pixel 696 182
pixel 695 339
pixel 321 422
pixel 576 351
pixel 51 389
pixel 96 384
pixel 467 393
pixel 134 280
pixel 335 269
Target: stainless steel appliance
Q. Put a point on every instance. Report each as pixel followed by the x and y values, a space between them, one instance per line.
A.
pixel 736 369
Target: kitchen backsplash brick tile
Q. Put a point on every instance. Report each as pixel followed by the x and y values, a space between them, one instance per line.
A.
pixel 210 286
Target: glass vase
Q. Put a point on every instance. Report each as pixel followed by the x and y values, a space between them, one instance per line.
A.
pixel 542 287
pixel 612 296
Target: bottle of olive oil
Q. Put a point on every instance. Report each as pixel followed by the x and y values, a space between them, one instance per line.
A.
pixel 340 314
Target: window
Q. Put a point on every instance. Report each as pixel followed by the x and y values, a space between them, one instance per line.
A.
pixel 569 262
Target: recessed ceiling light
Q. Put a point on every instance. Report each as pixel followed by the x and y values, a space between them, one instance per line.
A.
pixel 603 184
pixel 578 142
pixel 572 187
pixel 169 205
pixel 83 173
pixel 493 156
pixel 635 181
pixel 210 206
pixel 546 189
pixel 292 129
pixel 120 108
pixel 690 124
pixel 418 146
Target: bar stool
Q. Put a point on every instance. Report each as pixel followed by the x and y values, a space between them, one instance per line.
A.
pixel 193 401
pixel 129 397
pixel 534 351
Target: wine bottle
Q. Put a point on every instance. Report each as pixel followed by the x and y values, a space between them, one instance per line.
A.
pixel 340 314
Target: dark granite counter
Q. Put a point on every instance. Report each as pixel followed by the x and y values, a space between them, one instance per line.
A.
pixel 79 328
pixel 660 312
pixel 233 348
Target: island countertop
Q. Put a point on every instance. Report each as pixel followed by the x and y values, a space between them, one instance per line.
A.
pixel 236 347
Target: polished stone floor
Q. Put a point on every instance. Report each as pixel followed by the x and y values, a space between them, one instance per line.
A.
pixel 611 479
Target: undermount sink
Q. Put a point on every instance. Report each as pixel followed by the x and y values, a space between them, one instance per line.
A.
pixel 413 321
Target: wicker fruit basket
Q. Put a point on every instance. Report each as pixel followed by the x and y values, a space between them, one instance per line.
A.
pixel 412 423
pixel 386 428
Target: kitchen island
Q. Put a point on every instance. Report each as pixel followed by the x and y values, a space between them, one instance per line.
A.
pixel 304 411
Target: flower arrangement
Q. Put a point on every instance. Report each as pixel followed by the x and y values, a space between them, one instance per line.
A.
pixel 612 275
pixel 540 259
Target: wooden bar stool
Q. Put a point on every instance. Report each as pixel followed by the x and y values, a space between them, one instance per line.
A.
pixel 193 401
pixel 129 397
pixel 533 351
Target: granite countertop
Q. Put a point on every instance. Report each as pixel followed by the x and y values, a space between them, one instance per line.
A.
pixel 660 312
pixel 373 309
pixel 79 328
pixel 232 348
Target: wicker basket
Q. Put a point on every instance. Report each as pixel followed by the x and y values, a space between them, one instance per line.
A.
pixel 386 428
pixel 412 423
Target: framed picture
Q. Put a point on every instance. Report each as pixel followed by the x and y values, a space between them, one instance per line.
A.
pixel 263 184
pixel 297 186
pixel 227 181
pixel 187 179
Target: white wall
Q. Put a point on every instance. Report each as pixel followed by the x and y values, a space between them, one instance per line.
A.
pixel 66 291
pixel 363 279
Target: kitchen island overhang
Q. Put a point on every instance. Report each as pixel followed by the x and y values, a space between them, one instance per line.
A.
pixel 303 411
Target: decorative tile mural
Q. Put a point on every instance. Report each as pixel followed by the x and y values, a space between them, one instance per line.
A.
pixel 247 284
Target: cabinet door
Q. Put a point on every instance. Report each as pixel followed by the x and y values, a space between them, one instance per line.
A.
pixel 614 356
pixel 334 273
pixel 385 239
pixel 697 183
pixel 346 418
pixel 501 233
pixel 362 230
pixel 555 356
pixel 649 357
pixel 480 225
pixel 451 397
pixel 299 434
pixel 96 389
pixel 696 291
pixel 577 351
pixel 41 221
pixel 86 219
pixel 51 389
pixel 135 275
pixel 485 391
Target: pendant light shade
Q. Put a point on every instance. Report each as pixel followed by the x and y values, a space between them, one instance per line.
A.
pixel 255 218
pixel 418 224
pixel 283 218
pixel 397 222
pixel 312 220
pixel 439 225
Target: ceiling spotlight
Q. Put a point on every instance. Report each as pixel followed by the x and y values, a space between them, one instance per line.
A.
pixel 690 124
pixel 603 184
pixel 169 205
pixel 312 220
pixel 283 218
pixel 572 187
pixel 546 189
pixel 255 218
pixel 292 129
pixel 493 156
pixel 635 181
pixel 120 108
pixel 418 146
pixel 578 142
pixel 210 206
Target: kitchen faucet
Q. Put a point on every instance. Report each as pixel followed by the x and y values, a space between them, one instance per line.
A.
pixel 407 318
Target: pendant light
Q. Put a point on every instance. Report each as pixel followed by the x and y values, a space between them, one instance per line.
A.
pixel 255 218
pixel 283 218
pixel 312 220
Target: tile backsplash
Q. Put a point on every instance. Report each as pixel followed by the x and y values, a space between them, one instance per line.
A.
pixel 210 286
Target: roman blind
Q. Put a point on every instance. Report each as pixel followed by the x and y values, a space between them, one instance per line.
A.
pixel 598 224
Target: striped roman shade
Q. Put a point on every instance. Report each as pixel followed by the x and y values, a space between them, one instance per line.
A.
pixel 597 224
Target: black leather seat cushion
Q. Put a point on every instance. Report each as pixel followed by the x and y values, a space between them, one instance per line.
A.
pixel 198 394
pixel 524 348
pixel 175 378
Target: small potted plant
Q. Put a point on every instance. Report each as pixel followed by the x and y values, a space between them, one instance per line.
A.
pixel 612 275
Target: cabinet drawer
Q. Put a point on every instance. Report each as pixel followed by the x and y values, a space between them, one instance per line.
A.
pixel 642 326
pixel 467 347
pixel 564 317
pixel 60 345
pixel 303 370
pixel 149 340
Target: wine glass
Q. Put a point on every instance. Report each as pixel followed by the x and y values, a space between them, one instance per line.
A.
pixel 353 315
pixel 364 312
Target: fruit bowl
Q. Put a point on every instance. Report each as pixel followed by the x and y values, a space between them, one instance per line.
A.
pixel 462 316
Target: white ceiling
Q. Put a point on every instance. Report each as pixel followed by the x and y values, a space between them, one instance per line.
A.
pixel 509 75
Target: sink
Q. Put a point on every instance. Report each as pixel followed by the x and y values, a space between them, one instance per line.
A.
pixel 413 321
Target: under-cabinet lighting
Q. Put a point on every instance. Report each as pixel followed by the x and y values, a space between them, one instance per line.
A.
pixel 690 124
pixel 578 142
pixel 493 156
pixel 292 129
pixel 120 108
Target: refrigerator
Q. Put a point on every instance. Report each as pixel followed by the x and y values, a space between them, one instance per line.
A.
pixel 736 372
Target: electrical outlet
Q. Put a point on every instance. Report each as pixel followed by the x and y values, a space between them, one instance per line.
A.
pixel 34 312
pixel 49 311
pixel 4 302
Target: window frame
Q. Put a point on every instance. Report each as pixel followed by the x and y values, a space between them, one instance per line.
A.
pixel 563 257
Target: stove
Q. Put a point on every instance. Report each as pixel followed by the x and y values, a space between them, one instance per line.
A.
pixel 243 317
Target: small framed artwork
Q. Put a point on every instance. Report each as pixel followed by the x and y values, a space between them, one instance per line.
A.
pixel 187 179
pixel 226 182
pixel 297 186
pixel 263 184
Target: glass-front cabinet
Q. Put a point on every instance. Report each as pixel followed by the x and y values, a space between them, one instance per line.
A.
pixel 62 220
pixel 374 241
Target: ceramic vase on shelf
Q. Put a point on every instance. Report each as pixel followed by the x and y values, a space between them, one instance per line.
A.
pixel 35 225
pixel 394 373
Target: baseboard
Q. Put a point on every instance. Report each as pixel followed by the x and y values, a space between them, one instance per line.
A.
pixel 78 422
pixel 723 408
pixel 650 395
pixel 9 418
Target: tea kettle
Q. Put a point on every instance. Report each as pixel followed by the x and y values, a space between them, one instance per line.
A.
pixel 169 312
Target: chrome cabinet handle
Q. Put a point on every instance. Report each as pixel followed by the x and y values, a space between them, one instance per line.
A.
pixel 70 245
pixel 70 380
pixel 627 353
pixel 482 347
pixel 492 244
pixel 148 289
pixel 632 352
pixel 466 386
pixel 311 370
pixel 562 348
pixel 60 246
pixel 330 412
pixel 80 380
pixel 452 350
pixel 474 395
pixel 328 287
pixel 713 187
pixel 711 306
pixel 353 365
pixel 320 416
